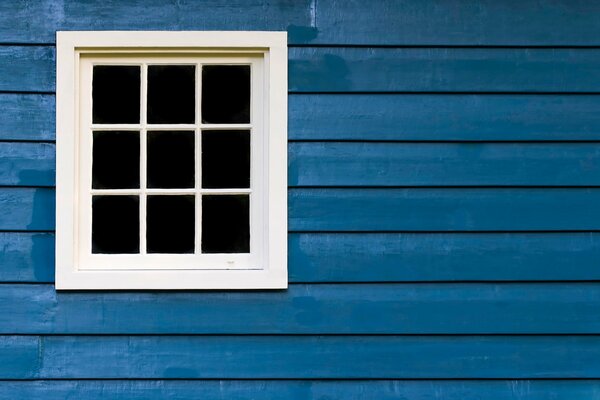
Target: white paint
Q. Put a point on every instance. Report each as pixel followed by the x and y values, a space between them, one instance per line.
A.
pixel 266 265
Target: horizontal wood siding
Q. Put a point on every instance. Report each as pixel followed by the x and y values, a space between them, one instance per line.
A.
pixel 300 389
pixel 444 213
pixel 380 257
pixel 366 308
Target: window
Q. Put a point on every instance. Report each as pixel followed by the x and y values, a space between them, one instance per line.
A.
pixel 171 160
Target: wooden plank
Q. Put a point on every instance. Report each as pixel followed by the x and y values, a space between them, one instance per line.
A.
pixel 458 209
pixel 455 22
pixel 300 390
pixel 263 357
pixel 27 164
pixel 381 164
pixel 26 257
pixel 27 117
pixel 338 69
pixel 442 257
pixel 403 22
pixel 443 164
pixel 37 22
pixel 350 70
pixel 372 257
pixel 27 68
pixel 27 209
pixel 384 210
pixel 442 308
pixel 19 356
pixel 444 117
pixel 417 117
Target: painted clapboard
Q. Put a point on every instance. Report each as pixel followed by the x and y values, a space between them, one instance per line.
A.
pixel 444 192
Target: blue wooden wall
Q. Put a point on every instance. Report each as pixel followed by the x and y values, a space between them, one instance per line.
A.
pixel 444 213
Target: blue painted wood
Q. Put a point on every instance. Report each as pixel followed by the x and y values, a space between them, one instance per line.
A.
pixel 445 256
pixel 338 69
pixel 444 117
pixel 322 69
pixel 26 257
pixel 369 257
pixel 449 308
pixel 37 22
pixel 20 356
pixel 391 357
pixel 27 209
pixel 456 22
pixel 443 209
pixel 438 22
pixel 27 117
pixel 355 210
pixel 435 164
pixel 381 164
pixel 27 164
pixel 27 68
pixel 300 390
pixel 383 117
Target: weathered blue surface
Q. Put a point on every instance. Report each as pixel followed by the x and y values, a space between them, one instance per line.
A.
pixel 444 202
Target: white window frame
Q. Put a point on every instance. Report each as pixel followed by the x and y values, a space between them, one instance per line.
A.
pixel 265 267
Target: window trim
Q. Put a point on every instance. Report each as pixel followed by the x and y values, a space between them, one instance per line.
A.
pixel 272 47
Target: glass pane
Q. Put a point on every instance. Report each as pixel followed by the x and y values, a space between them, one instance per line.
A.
pixel 170 224
pixel 171 94
pixel 226 94
pixel 116 94
pixel 225 159
pixel 116 160
pixel 171 159
pixel 226 224
pixel 115 224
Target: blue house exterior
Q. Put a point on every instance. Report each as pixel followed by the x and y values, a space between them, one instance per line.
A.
pixel 444 213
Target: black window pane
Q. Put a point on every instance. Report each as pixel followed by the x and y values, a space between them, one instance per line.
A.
pixel 226 224
pixel 115 224
pixel 170 224
pixel 171 94
pixel 116 160
pixel 226 94
pixel 171 158
pixel 225 159
pixel 116 94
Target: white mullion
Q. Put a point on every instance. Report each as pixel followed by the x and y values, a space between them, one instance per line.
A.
pixel 116 127
pixel 114 192
pixel 143 159
pixel 226 126
pixel 225 191
pixel 198 162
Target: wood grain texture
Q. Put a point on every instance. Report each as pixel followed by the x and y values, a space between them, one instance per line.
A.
pixel 446 209
pixel 37 22
pixel 350 70
pixel 380 164
pixel 455 22
pixel 445 256
pixel 416 117
pixel 300 390
pixel 560 22
pixel 445 117
pixel 27 117
pixel 27 68
pixel 448 308
pixel 338 69
pixel 27 209
pixel 356 210
pixel 372 257
pixel 27 164
pixel 214 357
pixel 435 164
